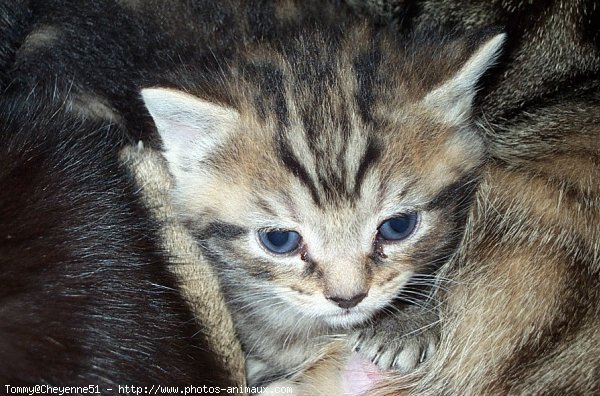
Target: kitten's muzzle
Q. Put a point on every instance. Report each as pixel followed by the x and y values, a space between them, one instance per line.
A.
pixel 347 303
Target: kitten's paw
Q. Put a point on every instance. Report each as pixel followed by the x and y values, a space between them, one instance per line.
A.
pixel 397 342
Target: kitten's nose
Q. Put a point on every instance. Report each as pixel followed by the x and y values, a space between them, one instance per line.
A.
pixel 348 302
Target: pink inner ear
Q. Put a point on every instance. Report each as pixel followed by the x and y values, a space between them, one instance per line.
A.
pixel 179 134
pixel 360 375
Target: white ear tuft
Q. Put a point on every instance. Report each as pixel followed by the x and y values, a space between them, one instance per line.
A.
pixel 190 128
pixel 454 99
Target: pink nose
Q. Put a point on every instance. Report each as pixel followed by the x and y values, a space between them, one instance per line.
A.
pixel 347 303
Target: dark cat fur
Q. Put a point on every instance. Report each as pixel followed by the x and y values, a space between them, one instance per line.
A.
pixel 104 51
pixel 14 21
pixel 86 297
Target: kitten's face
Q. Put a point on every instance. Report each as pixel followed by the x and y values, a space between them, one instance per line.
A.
pixel 330 224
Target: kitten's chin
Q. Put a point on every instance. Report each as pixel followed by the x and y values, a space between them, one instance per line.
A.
pixel 345 319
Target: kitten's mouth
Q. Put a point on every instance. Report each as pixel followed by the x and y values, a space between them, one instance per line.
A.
pixel 346 317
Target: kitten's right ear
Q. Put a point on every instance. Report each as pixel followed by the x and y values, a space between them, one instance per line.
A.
pixel 190 128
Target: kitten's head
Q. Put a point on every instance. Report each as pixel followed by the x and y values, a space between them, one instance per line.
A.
pixel 330 181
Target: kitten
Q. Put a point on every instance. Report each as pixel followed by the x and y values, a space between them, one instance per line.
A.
pixel 326 183
pixel 373 117
pixel 86 296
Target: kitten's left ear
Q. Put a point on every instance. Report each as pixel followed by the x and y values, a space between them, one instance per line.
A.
pixel 454 99
pixel 190 127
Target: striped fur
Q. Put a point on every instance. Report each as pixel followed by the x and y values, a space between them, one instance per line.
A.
pixel 322 134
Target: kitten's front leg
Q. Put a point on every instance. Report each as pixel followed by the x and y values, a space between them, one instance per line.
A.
pixel 399 341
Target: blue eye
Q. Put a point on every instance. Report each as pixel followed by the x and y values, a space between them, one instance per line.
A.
pixel 399 227
pixel 279 242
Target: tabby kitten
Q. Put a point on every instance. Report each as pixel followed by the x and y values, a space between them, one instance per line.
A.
pixel 320 184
